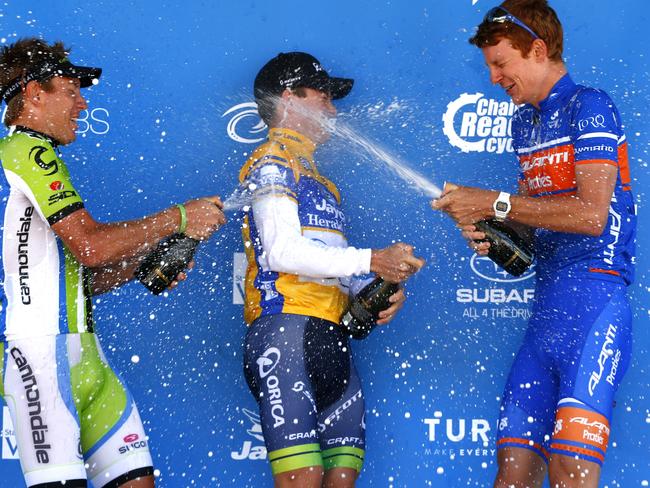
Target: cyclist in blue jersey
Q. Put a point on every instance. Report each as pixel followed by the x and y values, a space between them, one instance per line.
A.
pixel 300 275
pixel 575 196
pixel 74 417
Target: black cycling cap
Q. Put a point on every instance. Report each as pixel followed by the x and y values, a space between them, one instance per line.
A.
pixel 47 69
pixel 296 69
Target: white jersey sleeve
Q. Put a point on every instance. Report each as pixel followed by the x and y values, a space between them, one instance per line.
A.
pixel 286 250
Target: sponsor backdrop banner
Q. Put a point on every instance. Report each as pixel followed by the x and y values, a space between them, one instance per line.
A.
pixel 172 119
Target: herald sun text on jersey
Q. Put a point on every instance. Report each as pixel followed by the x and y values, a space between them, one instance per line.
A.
pixel 283 167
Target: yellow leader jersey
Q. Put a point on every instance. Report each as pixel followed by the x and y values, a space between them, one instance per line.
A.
pixel 298 257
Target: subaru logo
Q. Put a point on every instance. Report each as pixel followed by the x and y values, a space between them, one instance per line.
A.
pixel 489 270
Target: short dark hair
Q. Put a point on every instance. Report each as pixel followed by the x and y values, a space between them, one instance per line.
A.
pixel 267 105
pixel 536 14
pixel 16 60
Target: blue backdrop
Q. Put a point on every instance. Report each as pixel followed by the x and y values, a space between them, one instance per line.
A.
pixel 172 119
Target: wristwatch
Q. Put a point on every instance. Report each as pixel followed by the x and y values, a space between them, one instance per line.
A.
pixel 502 206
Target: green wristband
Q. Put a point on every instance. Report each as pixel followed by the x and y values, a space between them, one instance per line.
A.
pixel 183 226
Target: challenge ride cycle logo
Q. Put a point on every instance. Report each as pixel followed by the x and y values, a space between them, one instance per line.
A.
pixel 244 112
pixel 473 123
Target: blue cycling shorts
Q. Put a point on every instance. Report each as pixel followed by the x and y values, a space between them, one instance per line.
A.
pixel 560 391
pixel 300 371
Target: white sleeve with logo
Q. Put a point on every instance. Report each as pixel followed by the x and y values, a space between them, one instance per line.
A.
pixel 286 250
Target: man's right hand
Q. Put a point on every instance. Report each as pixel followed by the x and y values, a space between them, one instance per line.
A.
pixel 204 216
pixel 395 263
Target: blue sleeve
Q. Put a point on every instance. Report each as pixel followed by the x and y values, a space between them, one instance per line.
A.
pixel 596 128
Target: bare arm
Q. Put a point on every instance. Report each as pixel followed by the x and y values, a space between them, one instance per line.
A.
pixel 109 277
pixel 582 213
pixel 525 231
pixel 97 245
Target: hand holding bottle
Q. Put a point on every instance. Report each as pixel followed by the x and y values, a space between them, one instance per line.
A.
pixel 396 301
pixel 465 204
pixel 163 266
pixel 166 263
pixel 203 216
pixel 378 302
pixel 363 311
pixel 475 212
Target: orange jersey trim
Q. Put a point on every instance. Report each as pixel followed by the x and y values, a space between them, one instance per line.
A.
pixel 549 170
pixel 555 446
pixel 581 426
pixel 624 166
pixel 605 271
pixel 525 443
pixel 608 162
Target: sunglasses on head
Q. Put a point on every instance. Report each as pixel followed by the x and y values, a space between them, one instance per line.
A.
pixel 501 15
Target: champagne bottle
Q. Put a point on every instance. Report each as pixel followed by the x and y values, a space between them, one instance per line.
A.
pixel 362 314
pixel 507 248
pixel 161 266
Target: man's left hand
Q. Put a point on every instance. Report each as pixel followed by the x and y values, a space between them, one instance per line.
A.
pixel 397 300
pixel 465 204
pixel 182 276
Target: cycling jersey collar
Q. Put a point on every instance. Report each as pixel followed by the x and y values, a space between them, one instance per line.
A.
pixel 562 90
pixel 20 129
pixel 296 141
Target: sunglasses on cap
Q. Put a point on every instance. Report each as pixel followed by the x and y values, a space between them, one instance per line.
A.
pixel 501 15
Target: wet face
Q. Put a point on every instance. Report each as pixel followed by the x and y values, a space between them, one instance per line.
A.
pixel 312 114
pixel 61 107
pixel 521 78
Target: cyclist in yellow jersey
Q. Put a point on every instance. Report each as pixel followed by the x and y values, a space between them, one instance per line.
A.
pixel 75 419
pixel 300 274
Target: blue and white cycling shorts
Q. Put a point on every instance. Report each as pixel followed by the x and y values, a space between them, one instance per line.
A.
pixel 560 392
pixel 300 371
pixel 74 418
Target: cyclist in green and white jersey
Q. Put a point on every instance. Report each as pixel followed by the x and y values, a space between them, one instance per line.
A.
pixel 75 419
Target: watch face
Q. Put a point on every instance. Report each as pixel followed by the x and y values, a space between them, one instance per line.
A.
pixel 501 206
